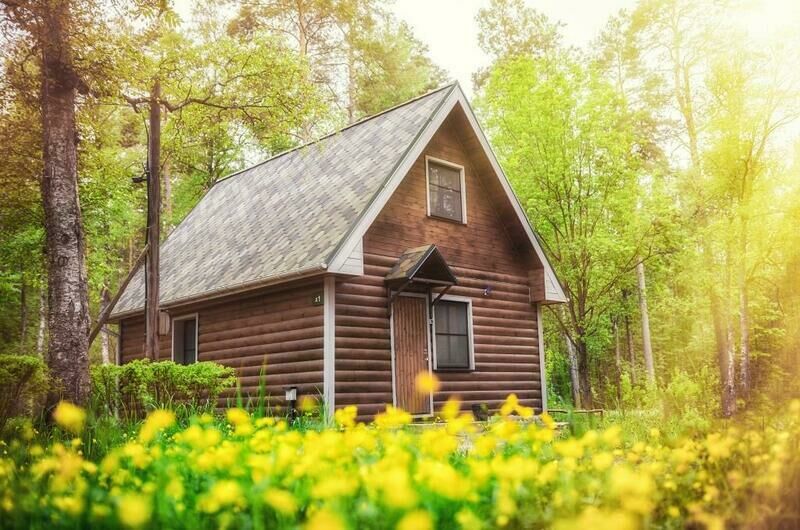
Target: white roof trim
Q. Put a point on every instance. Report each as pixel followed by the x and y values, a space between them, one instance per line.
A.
pixel 456 96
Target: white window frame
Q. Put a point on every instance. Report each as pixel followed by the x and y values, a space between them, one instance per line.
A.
pixel 190 316
pixel 452 165
pixel 470 336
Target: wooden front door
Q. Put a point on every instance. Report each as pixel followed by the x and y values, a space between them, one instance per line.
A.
pixel 410 330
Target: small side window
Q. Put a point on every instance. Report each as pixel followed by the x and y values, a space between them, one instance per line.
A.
pixel 452 321
pixel 184 340
pixel 446 191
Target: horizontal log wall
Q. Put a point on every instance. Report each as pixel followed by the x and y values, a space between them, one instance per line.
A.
pixel 276 334
pixel 482 254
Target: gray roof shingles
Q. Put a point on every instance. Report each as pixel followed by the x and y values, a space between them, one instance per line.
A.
pixel 287 214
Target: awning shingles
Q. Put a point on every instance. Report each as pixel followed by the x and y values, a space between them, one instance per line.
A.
pixel 423 264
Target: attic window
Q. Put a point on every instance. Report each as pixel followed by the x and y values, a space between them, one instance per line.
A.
pixel 446 193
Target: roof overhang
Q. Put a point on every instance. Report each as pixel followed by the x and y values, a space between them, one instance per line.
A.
pixel 554 293
pixel 422 265
pixel 227 291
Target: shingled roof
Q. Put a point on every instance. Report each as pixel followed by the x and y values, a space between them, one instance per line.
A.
pixel 286 215
pixel 304 212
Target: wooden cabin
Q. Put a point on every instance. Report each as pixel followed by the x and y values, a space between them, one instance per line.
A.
pixel 347 266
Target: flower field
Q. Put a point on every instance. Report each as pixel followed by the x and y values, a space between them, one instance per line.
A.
pixel 243 472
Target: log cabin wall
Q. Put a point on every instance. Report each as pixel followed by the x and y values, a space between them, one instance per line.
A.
pixel 481 254
pixel 280 330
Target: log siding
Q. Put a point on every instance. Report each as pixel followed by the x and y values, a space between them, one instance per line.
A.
pixel 482 254
pixel 281 331
pixel 277 333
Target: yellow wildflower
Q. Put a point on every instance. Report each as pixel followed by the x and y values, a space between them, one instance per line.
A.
pixel 346 417
pixel 602 461
pixel 451 409
pixel 222 494
pixel 633 489
pixel 325 519
pixel 334 486
pixel 134 510
pixel 416 520
pixel 427 382
pixel 156 421
pixel 70 417
pixel 281 501
pixel 69 504
pixel 570 447
pixel 547 420
pixel 467 520
pixel 174 489
pixel 393 417
pixel 237 416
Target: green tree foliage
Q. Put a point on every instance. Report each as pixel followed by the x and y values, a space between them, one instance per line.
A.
pixel 690 145
pixel 565 137
pixel 358 53
pixel 238 94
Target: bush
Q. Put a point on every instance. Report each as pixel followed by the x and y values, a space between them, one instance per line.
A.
pixel 133 388
pixel 23 378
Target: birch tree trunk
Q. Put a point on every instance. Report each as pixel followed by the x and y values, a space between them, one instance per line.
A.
pixel 647 347
pixel 631 354
pixel 42 323
pixel 68 307
pixel 573 372
pixel 618 363
pixel 744 315
pixel 105 299
pixel 727 363
pixel 23 313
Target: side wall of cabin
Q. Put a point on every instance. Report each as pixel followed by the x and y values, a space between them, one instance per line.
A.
pixel 481 255
pixel 279 332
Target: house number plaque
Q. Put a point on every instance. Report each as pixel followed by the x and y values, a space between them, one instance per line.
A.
pixel 317 299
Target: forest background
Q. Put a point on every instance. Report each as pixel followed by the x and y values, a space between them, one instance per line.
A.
pixel 659 164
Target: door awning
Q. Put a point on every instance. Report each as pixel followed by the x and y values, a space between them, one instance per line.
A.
pixel 421 265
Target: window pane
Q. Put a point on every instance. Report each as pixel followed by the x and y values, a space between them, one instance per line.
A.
pixel 458 318
pixel 445 203
pixel 459 350
pixel 443 350
pixel 445 191
pixel 444 176
pixel 441 316
pixel 452 335
pixel 189 342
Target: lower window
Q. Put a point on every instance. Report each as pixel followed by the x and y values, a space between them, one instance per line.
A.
pixel 184 340
pixel 453 338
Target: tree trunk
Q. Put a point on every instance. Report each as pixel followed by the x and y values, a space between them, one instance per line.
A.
pixel 618 363
pixel 23 314
pixel 153 225
pixel 587 400
pixel 167 192
pixel 744 315
pixel 647 347
pixel 42 323
pixel 68 307
pixel 573 372
pixel 105 299
pixel 727 363
pixel 631 351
